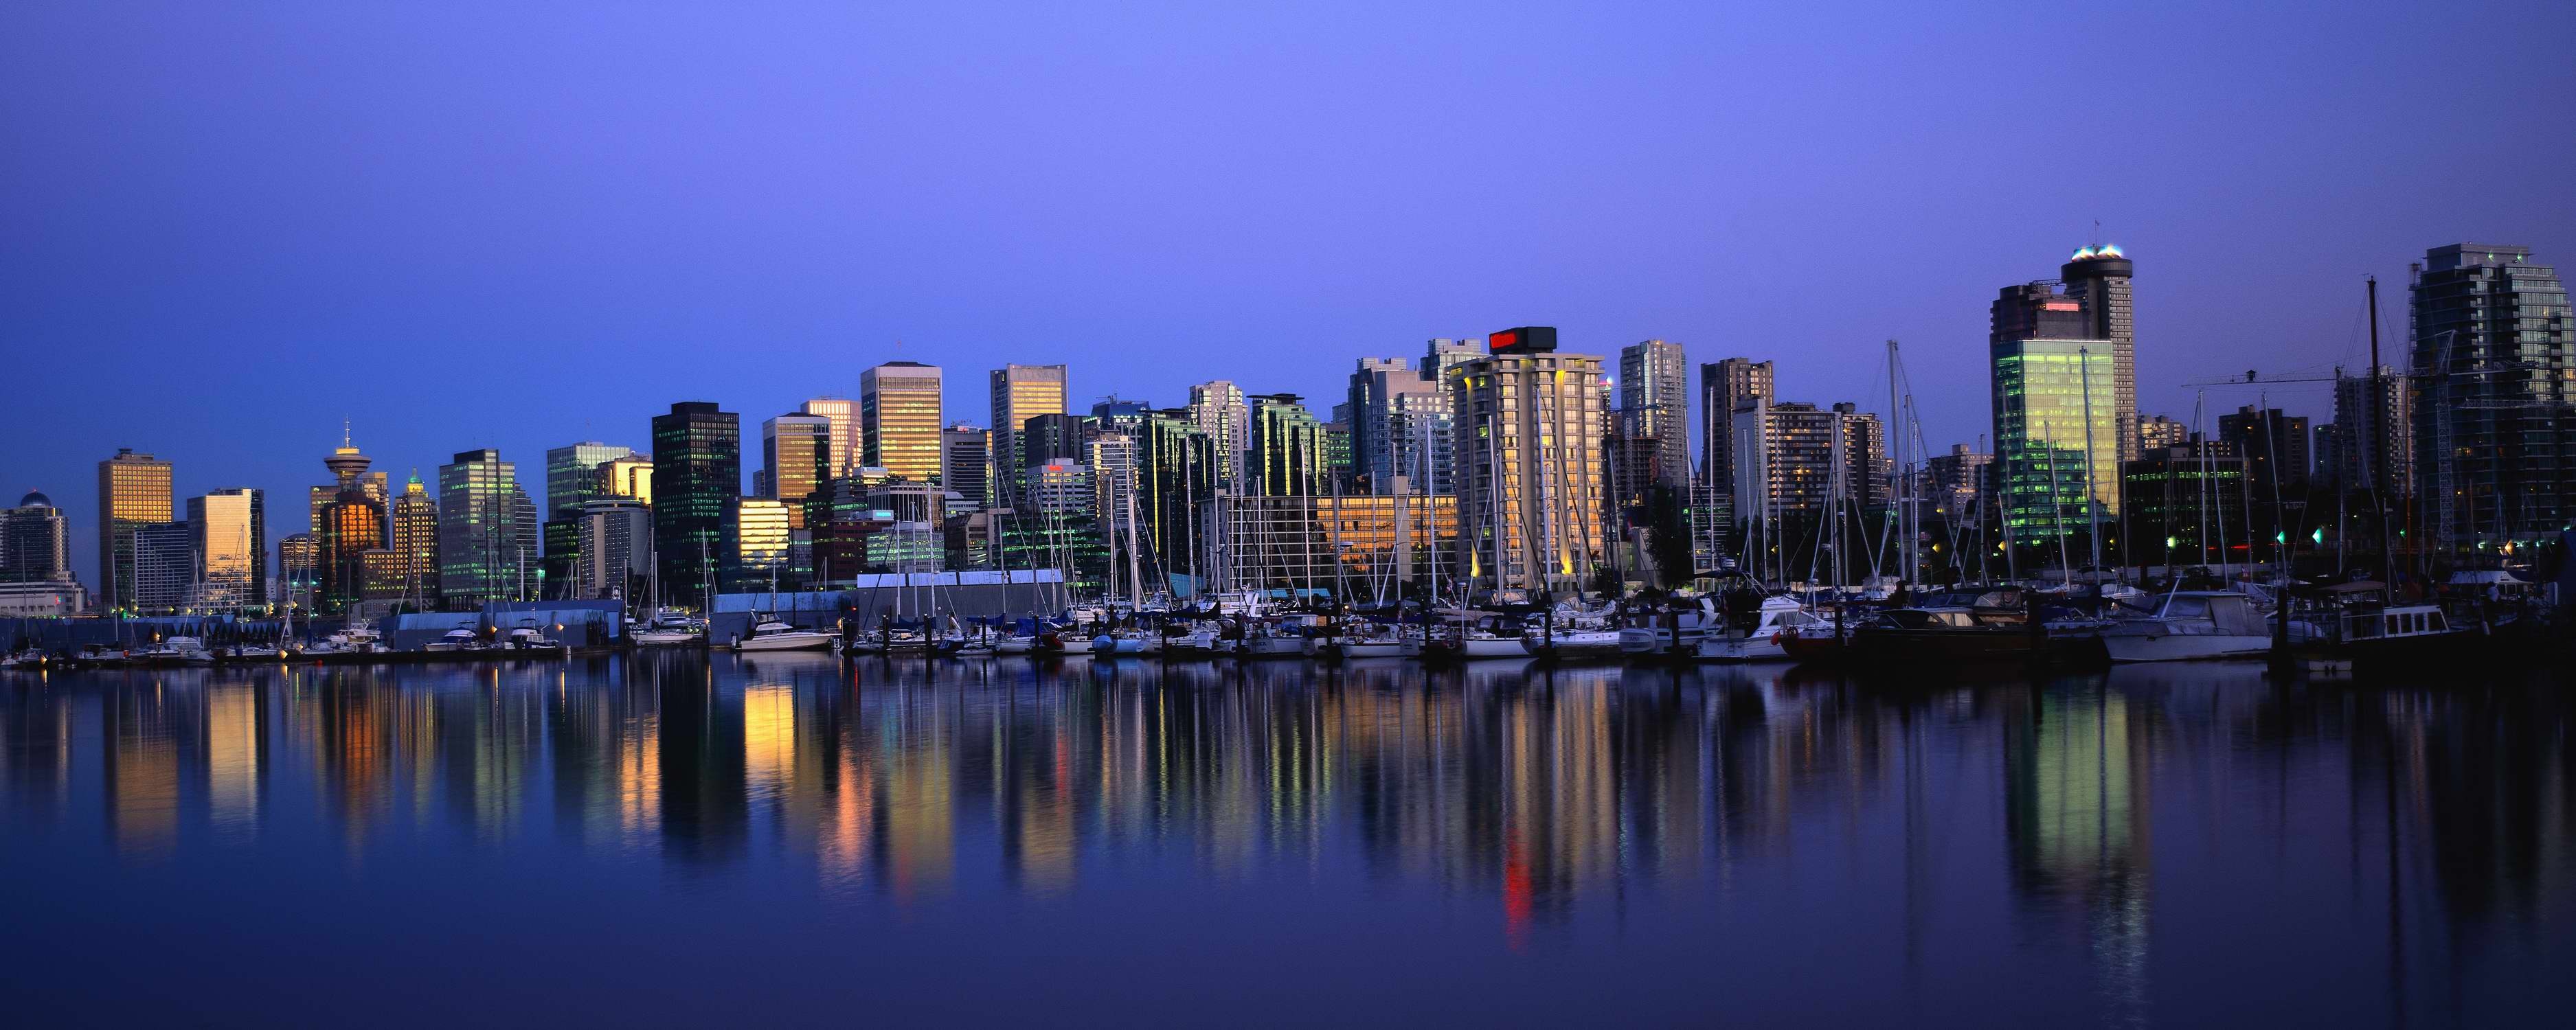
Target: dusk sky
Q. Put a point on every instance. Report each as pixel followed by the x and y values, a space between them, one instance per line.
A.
pixel 223 227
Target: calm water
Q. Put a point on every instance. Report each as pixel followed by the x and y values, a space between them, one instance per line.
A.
pixel 693 839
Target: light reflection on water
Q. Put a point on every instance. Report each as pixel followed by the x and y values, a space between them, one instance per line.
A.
pixel 2164 845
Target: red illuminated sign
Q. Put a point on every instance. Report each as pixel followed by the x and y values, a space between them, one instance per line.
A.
pixel 1501 340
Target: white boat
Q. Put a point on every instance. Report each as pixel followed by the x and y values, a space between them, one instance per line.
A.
pixel 1574 643
pixel 1476 644
pixel 769 634
pixel 1270 643
pixel 1649 636
pixel 527 637
pixel 1367 642
pixel 455 640
pixel 1015 644
pixel 2192 625
pixel 669 629
pixel 1068 642
pixel 1779 617
pixel 177 651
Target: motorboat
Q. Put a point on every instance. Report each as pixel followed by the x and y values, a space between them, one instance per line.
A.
pixel 1573 644
pixel 2191 625
pixel 176 650
pixel 527 637
pixel 669 629
pixel 1472 645
pixel 1014 644
pixel 769 634
pixel 1774 624
pixel 1270 640
pixel 1062 642
pixel 460 639
pixel 1679 629
pixel 1368 641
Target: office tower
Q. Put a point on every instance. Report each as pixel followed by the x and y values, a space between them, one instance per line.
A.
pixel 965 463
pixel 479 536
pixel 1062 489
pixel 165 568
pixel 2156 431
pixel 1177 475
pixel 527 574
pixel 1021 393
pixel 349 525
pixel 899 419
pixel 1527 431
pixel 1654 392
pixel 1111 415
pixel 2186 503
pixel 697 476
pixel 1788 454
pixel 2374 430
pixel 1285 448
pixel 616 551
pixel 230 528
pixel 2494 360
pixel 1399 419
pixel 133 490
pixel 1725 386
pixel 35 542
pixel 2275 446
pixel 1053 438
pixel 843 416
pixel 1112 457
pixel 795 460
pixel 411 533
pixel 629 477
pixel 2098 279
pixel 2056 436
pixel 761 537
pixel 1218 409
pixel 572 475
pixel 299 569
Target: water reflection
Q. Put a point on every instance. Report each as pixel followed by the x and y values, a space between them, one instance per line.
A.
pixel 2137 836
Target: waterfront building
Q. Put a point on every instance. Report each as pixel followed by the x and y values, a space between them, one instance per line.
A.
pixel 35 542
pixel 1113 479
pixel 1654 395
pixel 230 528
pixel 795 460
pixel 1527 438
pixel 899 419
pixel 629 477
pixel 1355 547
pixel 1788 454
pixel 965 463
pixel 2494 364
pixel 1337 449
pixel 842 415
pixel 411 533
pixel 133 491
pixel 1220 411
pixel 1286 454
pixel 762 535
pixel 165 568
pixel 2056 436
pixel 299 569
pixel 2089 301
pixel 42 599
pixel 1021 393
pixel 1399 419
pixel 2373 432
pixel 346 527
pixel 2275 446
pixel 1178 473
pixel 2186 505
pixel 481 554
pixel 697 477
pixel 1724 387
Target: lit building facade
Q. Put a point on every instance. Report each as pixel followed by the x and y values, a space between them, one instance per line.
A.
pixel 165 568
pixel 1287 451
pixel 347 527
pixel 1654 397
pixel 35 542
pixel 133 491
pixel 1527 439
pixel 2186 505
pixel 842 414
pixel 572 475
pixel 2089 301
pixel 1787 455
pixel 1724 387
pixel 231 530
pixel 1062 489
pixel 2057 450
pixel 965 463
pixel 796 459
pixel 1220 412
pixel 411 533
pixel 2494 363
pixel 299 569
pixel 697 477
pixel 1021 393
pixel 763 535
pixel 1357 546
pixel 480 555
pixel 2374 430
pixel 629 477
pixel 1399 425
pixel 899 419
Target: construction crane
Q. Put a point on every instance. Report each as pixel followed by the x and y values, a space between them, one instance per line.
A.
pixel 2254 378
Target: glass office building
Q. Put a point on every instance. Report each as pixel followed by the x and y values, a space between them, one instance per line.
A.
pixel 231 530
pixel 899 419
pixel 796 459
pixel 697 477
pixel 2057 446
pixel 133 491
pixel 479 536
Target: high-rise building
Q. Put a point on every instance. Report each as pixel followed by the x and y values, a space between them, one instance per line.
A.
pixel 762 534
pixel 1725 386
pixel 572 475
pixel 35 542
pixel 697 477
pixel 2094 305
pixel 1958 479
pixel 2275 446
pixel 899 419
pixel 1527 431
pixel 1285 449
pixel 629 477
pixel 133 491
pixel 1177 475
pixel 230 528
pixel 1337 545
pixel 1218 409
pixel 2156 431
pixel 966 464
pixel 1399 418
pixel 795 460
pixel 165 567
pixel 411 533
pixel 1052 438
pixel 2494 362
pixel 1788 455
pixel 1654 393
pixel 480 556
pixel 2374 431
pixel 1020 393
pixel 616 549
pixel 2186 504
pixel 349 525
pixel 2056 437
pixel 1113 479
pixel 299 569
pixel 1062 489
pixel 843 415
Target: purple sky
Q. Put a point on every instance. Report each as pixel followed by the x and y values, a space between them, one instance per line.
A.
pixel 224 226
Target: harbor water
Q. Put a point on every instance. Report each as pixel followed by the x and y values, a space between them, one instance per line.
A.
pixel 699 839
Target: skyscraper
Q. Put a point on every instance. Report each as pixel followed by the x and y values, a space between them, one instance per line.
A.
pixel 965 463
pixel 2275 446
pixel 2494 361
pixel 697 477
pixel 629 477
pixel 299 568
pixel 411 532
pixel 1053 438
pixel 1654 394
pixel 133 491
pixel 1527 430
pixel 572 475
pixel 1399 419
pixel 2056 437
pixel 843 414
pixel 1021 393
pixel 1217 407
pixel 2098 279
pixel 479 536
pixel 899 419
pixel 762 535
pixel 165 567
pixel 347 527
pixel 35 542
pixel 1787 455
pixel 1286 448
pixel 1723 387
pixel 616 551
pixel 795 460
pixel 2374 431
pixel 230 531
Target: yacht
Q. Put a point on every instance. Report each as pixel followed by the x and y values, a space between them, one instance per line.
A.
pixel 2191 625
pixel 769 634
pixel 177 651
pixel 527 637
pixel 1775 622
pixel 670 629
pixel 1648 634
pixel 1473 644
pixel 459 639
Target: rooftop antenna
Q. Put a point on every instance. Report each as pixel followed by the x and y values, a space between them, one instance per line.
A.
pixel 344 430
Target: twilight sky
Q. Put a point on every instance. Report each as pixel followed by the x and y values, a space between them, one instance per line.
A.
pixel 225 226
